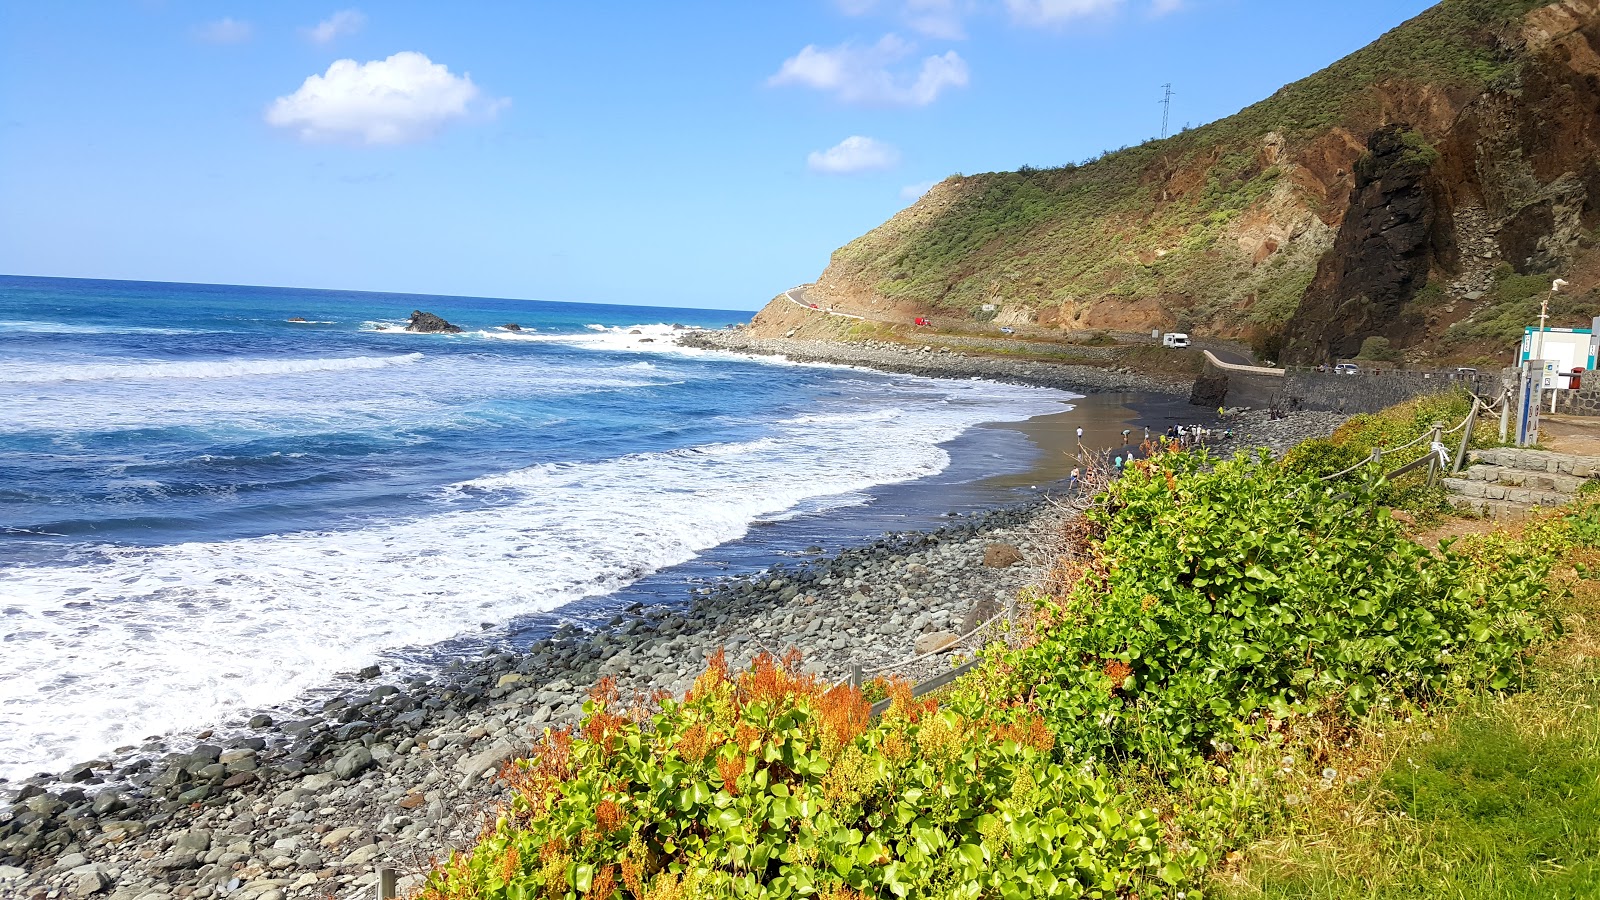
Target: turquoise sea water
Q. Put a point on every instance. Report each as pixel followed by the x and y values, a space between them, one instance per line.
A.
pixel 206 508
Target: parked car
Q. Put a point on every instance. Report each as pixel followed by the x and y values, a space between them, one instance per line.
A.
pixel 1347 369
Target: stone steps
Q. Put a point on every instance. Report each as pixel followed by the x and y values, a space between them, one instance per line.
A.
pixel 1509 482
pixel 1520 478
pixel 1494 509
pixel 1539 461
pixel 1486 490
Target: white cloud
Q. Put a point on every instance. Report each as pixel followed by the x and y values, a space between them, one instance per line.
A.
pixel 1055 12
pixel 225 31
pixel 853 154
pixel 942 19
pixel 857 74
pixel 406 97
pixel 915 191
pixel 341 23
pixel 1163 7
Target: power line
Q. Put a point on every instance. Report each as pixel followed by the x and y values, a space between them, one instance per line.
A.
pixel 1166 107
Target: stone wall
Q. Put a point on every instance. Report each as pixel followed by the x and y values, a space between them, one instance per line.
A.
pixel 1367 393
pixel 1327 392
pixel 1582 403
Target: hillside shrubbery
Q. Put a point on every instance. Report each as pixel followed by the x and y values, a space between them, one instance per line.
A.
pixel 1210 607
pixel 768 784
pixel 1219 601
pixel 1355 440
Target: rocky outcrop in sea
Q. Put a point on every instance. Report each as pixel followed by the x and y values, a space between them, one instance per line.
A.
pixel 428 323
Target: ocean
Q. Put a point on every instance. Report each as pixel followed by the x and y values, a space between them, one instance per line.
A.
pixel 207 509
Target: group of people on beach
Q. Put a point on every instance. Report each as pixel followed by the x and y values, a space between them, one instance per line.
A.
pixel 1176 435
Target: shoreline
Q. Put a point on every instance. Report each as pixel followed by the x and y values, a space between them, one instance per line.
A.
pixel 392 772
pixel 902 359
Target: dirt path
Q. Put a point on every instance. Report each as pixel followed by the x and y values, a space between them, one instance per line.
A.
pixel 1570 434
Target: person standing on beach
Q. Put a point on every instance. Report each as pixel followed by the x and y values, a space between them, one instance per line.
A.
pixel 1080 435
pixel 1072 483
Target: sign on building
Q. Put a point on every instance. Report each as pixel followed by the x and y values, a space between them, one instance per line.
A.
pixel 1562 349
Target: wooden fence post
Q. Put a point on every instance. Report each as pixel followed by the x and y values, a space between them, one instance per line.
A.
pixel 1466 435
pixel 386 884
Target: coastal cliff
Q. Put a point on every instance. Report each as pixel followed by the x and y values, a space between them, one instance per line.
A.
pixel 1423 190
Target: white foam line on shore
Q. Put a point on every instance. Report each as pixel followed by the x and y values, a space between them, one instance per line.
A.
pixel 230 368
pixel 180 638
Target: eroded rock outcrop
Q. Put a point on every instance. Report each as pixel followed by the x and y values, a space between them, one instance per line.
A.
pixel 428 323
pixel 1390 236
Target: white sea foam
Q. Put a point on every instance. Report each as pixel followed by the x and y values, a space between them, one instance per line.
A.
pixel 182 637
pixel 414 391
pixel 36 373
pixel 32 327
pixel 657 338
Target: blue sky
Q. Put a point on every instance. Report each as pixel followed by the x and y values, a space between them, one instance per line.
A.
pixel 682 154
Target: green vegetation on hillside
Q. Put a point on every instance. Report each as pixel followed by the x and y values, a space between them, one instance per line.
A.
pixel 1497 796
pixel 1393 428
pixel 1151 220
pixel 1221 632
pixel 1513 303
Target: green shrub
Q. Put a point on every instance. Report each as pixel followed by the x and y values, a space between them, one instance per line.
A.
pixel 769 785
pixel 1378 349
pixel 1223 595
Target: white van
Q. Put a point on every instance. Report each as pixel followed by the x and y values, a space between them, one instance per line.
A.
pixel 1177 340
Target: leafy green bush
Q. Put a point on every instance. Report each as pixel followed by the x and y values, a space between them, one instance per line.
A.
pixel 1222 597
pixel 768 785
pixel 1399 425
pixel 1379 349
pixel 1216 604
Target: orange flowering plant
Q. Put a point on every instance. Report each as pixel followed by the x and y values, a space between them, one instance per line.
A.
pixel 767 783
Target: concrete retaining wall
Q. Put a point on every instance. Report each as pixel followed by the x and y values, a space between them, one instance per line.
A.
pixel 1325 391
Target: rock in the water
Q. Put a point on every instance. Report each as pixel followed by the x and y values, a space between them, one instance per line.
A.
pixel 297 318
pixel 937 640
pixel 371 671
pixel 1001 556
pixel 261 721
pixel 353 763
pixel 428 323
pixel 511 326
pixel 1210 390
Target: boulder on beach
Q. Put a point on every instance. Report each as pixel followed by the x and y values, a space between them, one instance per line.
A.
pixel 428 323
pixel 938 640
pixel 1001 556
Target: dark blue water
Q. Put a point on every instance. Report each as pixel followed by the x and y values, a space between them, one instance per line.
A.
pixel 206 507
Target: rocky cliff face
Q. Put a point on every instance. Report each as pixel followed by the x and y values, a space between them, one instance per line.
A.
pixel 1411 191
pixel 1393 230
pixel 1516 179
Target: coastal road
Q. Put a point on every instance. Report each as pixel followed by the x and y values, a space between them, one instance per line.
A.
pixel 790 296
